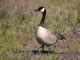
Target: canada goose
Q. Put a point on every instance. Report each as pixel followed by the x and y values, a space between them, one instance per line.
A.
pixel 44 36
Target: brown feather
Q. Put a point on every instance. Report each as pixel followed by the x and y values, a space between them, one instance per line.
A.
pixel 57 34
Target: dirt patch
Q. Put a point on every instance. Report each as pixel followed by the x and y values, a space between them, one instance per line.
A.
pixel 74 34
pixel 31 44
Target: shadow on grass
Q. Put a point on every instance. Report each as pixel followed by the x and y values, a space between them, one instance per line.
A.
pixel 35 51
pixel 47 52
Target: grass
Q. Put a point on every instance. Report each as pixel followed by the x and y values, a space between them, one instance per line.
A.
pixel 18 23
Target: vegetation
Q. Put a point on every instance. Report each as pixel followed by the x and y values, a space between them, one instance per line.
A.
pixel 18 24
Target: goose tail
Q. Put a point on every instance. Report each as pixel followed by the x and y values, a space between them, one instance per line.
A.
pixel 62 38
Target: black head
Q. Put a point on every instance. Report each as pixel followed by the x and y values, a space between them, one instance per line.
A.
pixel 41 9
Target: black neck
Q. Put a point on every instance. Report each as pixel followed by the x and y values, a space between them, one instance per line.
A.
pixel 43 19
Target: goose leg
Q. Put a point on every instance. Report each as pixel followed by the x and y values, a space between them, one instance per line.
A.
pixel 49 48
pixel 42 47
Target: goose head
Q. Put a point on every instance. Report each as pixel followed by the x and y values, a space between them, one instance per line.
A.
pixel 41 9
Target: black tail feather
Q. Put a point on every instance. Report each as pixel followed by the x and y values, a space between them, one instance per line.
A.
pixel 62 37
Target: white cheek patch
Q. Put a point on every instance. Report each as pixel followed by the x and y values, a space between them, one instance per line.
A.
pixel 42 10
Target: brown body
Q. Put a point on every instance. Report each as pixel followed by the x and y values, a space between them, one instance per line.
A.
pixel 47 37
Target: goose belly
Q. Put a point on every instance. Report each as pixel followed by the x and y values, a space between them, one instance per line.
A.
pixel 44 38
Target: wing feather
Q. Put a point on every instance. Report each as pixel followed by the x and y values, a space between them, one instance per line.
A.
pixel 57 34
